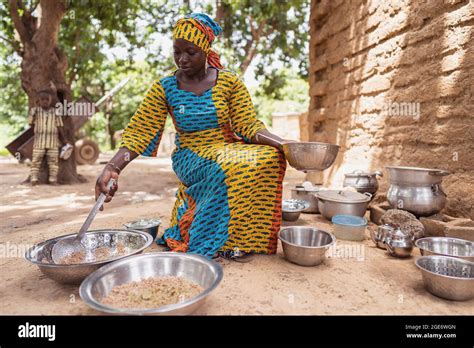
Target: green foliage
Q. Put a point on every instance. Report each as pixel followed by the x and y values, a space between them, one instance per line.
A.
pixel 291 96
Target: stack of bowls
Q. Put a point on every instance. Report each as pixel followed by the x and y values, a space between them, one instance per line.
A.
pixel 447 267
pixel 292 208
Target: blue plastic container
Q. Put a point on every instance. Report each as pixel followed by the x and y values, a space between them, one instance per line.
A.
pixel 349 227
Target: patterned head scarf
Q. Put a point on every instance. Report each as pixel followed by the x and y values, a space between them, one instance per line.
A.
pixel 201 30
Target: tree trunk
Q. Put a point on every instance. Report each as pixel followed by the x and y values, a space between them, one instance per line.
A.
pixel 44 66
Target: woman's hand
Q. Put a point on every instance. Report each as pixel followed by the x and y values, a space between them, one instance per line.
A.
pixel 287 141
pixel 101 184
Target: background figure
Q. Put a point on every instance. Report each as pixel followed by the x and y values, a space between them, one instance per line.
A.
pixel 48 135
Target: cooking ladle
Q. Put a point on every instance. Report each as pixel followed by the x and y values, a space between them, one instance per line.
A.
pixel 66 247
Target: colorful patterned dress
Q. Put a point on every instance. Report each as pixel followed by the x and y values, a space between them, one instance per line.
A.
pixel 230 191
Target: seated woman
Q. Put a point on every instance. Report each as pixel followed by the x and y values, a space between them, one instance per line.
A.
pixel 229 197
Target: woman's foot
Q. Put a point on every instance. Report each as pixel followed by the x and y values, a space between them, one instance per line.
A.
pixel 237 256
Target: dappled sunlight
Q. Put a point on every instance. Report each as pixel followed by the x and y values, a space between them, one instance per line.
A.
pixel 69 201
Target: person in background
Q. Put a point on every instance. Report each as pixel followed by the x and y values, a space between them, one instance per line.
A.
pixel 48 131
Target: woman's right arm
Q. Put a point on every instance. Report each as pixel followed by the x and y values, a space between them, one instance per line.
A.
pixel 112 170
pixel 141 137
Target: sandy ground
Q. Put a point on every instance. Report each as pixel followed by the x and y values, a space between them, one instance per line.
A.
pixel 357 278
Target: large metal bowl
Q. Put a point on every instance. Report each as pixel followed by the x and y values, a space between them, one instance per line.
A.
pixel 305 246
pixel 446 246
pixel 447 277
pixel 309 156
pixel 195 268
pixel 40 255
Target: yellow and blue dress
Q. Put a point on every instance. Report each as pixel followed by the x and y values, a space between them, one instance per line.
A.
pixel 230 191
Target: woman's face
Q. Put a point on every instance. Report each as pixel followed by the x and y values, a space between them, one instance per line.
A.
pixel 188 57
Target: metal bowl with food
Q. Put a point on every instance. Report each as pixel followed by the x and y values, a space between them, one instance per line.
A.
pixel 117 243
pixel 150 226
pixel 447 277
pixel 305 246
pixel 446 246
pixel 292 208
pixel 192 267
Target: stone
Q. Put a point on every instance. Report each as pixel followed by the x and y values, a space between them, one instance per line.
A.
pixel 405 221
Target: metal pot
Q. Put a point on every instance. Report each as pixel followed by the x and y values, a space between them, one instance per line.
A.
pixel 335 202
pixel 307 194
pixel 414 176
pixel 419 200
pixel 417 190
pixel 362 181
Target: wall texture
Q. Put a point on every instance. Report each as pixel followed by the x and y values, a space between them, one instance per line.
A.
pixel 392 82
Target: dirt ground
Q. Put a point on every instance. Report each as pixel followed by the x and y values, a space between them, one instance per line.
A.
pixel 357 278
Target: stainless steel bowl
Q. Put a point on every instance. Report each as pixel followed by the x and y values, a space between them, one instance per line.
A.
pixel 40 255
pixel 292 208
pixel 299 192
pixel 447 277
pixel 305 246
pixel 150 226
pixel 446 246
pixel 309 156
pixel 291 215
pixel 193 267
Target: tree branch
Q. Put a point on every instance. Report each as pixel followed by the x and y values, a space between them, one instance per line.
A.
pixel 34 6
pixel 72 73
pixel 251 47
pixel 16 5
pixel 15 44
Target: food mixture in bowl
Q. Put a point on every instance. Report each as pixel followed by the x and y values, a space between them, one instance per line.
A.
pixel 99 254
pixel 152 293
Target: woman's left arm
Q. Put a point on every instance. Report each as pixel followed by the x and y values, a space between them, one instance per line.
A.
pixel 265 137
pixel 244 119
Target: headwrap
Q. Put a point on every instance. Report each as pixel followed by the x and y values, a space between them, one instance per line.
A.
pixel 201 30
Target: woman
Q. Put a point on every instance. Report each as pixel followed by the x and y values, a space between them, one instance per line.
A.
pixel 229 197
